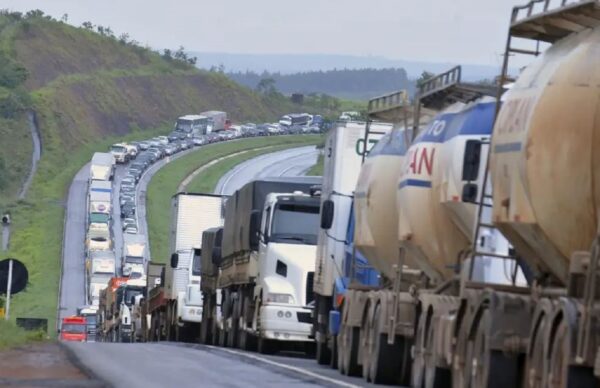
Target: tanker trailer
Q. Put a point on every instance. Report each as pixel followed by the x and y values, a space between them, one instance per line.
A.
pixel 545 193
pixel 374 238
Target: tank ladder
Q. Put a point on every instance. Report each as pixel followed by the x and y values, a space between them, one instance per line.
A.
pixel 539 22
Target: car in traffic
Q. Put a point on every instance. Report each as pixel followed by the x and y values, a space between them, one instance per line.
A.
pixel 128 210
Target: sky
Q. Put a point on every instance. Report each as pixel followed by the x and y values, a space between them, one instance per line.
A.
pixel 463 31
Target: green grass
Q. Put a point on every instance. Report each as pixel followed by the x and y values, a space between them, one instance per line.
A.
pixel 37 228
pixel 13 336
pixel 165 182
pixel 317 169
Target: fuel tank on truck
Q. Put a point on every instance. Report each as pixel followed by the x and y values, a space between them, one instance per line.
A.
pixel 376 217
pixel 435 226
pixel 545 172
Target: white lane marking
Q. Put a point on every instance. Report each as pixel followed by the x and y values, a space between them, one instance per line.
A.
pixel 288 367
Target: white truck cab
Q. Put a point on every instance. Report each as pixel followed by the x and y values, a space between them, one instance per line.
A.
pixel 286 248
pixel 120 152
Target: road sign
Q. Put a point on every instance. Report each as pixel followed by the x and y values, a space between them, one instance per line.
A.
pixel 20 276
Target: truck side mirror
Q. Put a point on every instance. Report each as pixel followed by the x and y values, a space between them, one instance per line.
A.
pixel 471 160
pixel 254 228
pixel 327 210
pixel 174 260
pixel 469 193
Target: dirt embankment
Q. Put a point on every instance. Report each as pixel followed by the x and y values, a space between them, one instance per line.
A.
pixel 42 365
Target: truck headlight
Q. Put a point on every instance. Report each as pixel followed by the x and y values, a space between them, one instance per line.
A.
pixel 280 298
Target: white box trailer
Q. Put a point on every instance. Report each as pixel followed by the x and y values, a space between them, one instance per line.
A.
pixel 345 146
pixel 102 166
pixel 216 120
pixel 101 267
pixel 191 215
pixel 134 253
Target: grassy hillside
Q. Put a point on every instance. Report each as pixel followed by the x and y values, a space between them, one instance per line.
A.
pixel 88 90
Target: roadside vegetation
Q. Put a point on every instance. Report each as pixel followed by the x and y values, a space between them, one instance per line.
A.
pixel 165 182
pixel 13 336
pixel 317 169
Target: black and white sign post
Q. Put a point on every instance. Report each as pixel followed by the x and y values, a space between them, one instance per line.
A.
pixel 13 279
pixel 8 289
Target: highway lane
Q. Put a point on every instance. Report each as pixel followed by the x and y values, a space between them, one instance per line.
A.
pixel 72 288
pixel 290 162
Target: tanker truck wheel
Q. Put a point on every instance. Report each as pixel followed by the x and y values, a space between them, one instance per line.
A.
pixel 350 340
pixel 418 366
pixel 534 366
pixel 490 368
pixel 232 333
pixel 560 373
pixel 434 375
pixel 323 353
pixel 385 359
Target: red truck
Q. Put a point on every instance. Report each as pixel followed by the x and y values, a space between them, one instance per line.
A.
pixel 73 329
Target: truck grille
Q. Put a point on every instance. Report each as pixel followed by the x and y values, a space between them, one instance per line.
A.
pixel 304 317
pixel 310 296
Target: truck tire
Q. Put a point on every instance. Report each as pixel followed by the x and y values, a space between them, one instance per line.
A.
pixel 349 342
pixel 491 368
pixel 267 346
pixel 333 361
pixel 233 332
pixel 323 353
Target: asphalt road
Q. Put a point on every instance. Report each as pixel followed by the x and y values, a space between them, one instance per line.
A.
pixel 72 288
pixel 291 162
pixel 174 364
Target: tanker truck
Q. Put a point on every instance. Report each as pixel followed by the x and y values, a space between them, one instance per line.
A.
pixel 541 194
pixel 266 266
pixel 345 148
pixel 409 252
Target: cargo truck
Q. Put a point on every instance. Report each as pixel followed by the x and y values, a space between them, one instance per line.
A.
pixel 216 120
pixel 99 197
pixel 212 240
pixel 102 166
pixel 100 268
pixel 134 253
pixel 98 237
pixel 191 214
pixel 344 151
pixel 116 302
pixel 192 125
pixel 120 153
pixel 73 329
pixel 142 317
pixel 267 265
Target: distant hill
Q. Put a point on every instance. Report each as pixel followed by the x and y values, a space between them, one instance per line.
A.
pixel 359 84
pixel 296 63
pixel 85 84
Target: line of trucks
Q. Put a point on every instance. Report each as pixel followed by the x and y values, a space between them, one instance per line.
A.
pixel 457 247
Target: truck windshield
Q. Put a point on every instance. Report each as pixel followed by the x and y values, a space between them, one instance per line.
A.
pixel 134 259
pixel 73 328
pixel 130 294
pixel 196 262
pixel 184 125
pixel 118 149
pixel 295 223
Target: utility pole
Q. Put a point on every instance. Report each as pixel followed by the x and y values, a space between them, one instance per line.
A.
pixel 8 289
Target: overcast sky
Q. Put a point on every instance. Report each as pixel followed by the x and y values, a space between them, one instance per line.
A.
pixel 463 31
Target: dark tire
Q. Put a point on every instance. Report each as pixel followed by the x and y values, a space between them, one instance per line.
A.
pixel 490 368
pixel 267 346
pixel 323 352
pixel 205 337
pixel 534 368
pixel 561 374
pixel 333 362
pixel 349 357
pixel 385 358
pixel 435 376
pixel 418 366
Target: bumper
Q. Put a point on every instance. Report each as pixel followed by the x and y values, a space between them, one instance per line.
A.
pixel 191 314
pixel 283 323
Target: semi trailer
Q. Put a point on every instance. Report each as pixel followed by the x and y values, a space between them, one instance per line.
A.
pixel 100 268
pixel 262 292
pixel 134 253
pixel 117 301
pixel 180 313
pixel 102 166
pixel 344 151
pixel 216 120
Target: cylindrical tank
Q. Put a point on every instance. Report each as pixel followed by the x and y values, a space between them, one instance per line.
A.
pixel 374 202
pixel 546 187
pixel 435 226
